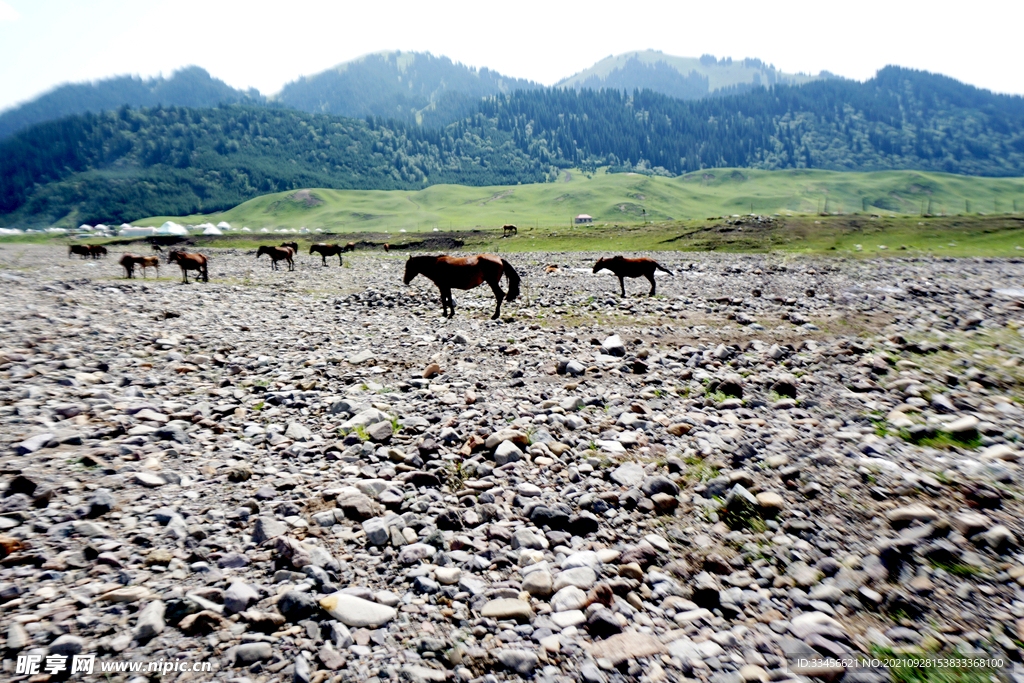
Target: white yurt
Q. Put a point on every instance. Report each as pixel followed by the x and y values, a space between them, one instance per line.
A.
pixel 11 231
pixel 224 225
pixel 246 230
pixel 56 231
pixel 85 227
pixel 171 228
pixel 132 231
pixel 264 230
pixel 212 231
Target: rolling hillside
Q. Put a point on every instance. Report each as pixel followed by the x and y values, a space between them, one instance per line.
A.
pixel 620 199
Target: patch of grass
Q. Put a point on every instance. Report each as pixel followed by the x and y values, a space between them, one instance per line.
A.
pixel 453 477
pixel 921 667
pixel 698 470
pixel 944 441
pixel 957 568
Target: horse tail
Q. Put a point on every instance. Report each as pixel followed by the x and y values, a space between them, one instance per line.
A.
pixel 513 280
pixel 662 268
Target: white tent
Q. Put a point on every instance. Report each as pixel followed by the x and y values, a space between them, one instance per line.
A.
pixel 100 226
pixel 212 231
pixel 10 231
pixel 171 228
pixel 246 230
pixel 204 226
pixel 264 230
pixel 224 225
pixel 132 231
pixel 85 227
pixel 56 231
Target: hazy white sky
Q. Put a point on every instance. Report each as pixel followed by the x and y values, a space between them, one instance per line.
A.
pixel 44 43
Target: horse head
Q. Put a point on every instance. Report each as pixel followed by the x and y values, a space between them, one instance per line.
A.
pixel 413 267
pixel 262 250
pixel 601 263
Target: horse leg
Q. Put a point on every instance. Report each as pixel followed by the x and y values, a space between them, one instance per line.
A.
pixel 447 303
pixel 650 277
pixel 622 284
pixel 499 296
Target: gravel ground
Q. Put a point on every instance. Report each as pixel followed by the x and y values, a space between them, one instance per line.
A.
pixel 312 476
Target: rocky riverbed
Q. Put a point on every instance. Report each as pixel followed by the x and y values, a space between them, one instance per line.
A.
pixel 311 476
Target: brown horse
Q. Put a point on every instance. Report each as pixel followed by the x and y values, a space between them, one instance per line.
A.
pixel 129 261
pixel 97 250
pixel 82 250
pixel 507 230
pixel 631 267
pixel 293 245
pixel 387 247
pixel 156 247
pixel 277 254
pixel 187 262
pixel 351 246
pixel 449 272
pixel 326 250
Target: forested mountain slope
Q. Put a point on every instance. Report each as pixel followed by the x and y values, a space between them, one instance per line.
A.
pixel 188 87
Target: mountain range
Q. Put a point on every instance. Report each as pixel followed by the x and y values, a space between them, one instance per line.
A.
pixel 406 86
pixel 447 123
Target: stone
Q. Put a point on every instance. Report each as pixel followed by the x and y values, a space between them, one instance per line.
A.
pixel 624 646
pixel 568 598
pixel 357 612
pixel 150 621
pixel 507 608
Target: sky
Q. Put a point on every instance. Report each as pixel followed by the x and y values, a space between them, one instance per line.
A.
pixel 266 44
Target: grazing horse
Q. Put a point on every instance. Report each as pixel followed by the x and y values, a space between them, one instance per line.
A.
pixel 129 261
pixel 97 250
pixel 187 262
pixel 277 254
pixel 293 245
pixel 507 230
pixel 387 247
pixel 449 272
pixel 156 247
pixel 351 246
pixel 82 250
pixel 326 250
pixel 631 267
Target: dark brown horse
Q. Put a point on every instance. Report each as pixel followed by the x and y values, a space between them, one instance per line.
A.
pixel 326 250
pixel 97 250
pixel 507 230
pixel 277 254
pixel 631 267
pixel 187 262
pixel 293 245
pixel 351 246
pixel 129 261
pixel 82 250
pixel 156 247
pixel 387 247
pixel 449 272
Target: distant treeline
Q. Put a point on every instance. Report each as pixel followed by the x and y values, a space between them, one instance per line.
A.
pixel 132 163
pixel 123 165
pixel 901 119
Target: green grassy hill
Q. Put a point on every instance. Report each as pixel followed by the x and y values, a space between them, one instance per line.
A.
pixel 623 199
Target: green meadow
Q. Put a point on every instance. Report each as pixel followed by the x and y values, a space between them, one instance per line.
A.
pixel 623 199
